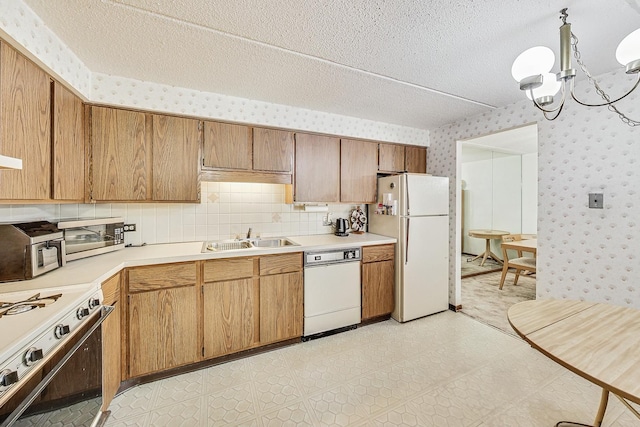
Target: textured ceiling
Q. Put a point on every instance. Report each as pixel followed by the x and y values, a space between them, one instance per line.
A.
pixel 413 63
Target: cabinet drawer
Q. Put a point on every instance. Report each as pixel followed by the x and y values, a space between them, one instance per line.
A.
pixel 277 264
pixel 161 276
pixel 228 269
pixel 111 289
pixel 377 253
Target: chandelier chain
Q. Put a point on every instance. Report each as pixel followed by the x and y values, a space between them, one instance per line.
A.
pixel 599 90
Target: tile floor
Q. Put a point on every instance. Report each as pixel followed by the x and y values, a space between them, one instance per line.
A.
pixel 443 370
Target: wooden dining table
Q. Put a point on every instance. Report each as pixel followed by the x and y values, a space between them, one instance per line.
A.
pixel 529 245
pixel 599 342
pixel 487 235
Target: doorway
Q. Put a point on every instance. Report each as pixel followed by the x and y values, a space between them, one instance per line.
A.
pixel 497 194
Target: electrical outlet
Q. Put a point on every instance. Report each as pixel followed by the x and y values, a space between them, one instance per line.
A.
pixel 596 200
pixel 129 227
pixel 326 219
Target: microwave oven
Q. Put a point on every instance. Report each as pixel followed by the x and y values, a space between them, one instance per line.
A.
pixel 85 237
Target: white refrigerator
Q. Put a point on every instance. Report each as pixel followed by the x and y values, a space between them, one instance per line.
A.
pixel 421 225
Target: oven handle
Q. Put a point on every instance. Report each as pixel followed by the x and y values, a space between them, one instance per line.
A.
pixel 13 417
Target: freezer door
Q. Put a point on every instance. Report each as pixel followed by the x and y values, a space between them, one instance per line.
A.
pixel 424 265
pixel 425 195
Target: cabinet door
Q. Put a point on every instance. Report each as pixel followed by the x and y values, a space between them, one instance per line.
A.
pixel 391 158
pixel 230 316
pixel 227 146
pixel 272 150
pixel 120 155
pixel 280 307
pixel 111 341
pixel 416 159
pixel 317 177
pixel 176 143
pixel 163 329
pixel 358 171
pixel 377 289
pixel 25 127
pixel 68 145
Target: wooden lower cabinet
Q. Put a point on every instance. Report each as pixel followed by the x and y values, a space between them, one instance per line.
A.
pixel 111 341
pixel 229 316
pixel 163 329
pixel 111 361
pixel 281 312
pixel 378 281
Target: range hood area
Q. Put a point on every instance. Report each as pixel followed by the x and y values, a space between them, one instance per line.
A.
pixel 10 162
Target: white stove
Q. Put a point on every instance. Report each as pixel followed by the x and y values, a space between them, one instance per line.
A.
pixel 34 324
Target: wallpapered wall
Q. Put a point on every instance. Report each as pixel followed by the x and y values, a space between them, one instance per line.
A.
pixel 589 254
pixel 20 24
pixel 226 209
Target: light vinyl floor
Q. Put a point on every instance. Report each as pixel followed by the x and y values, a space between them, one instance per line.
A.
pixel 442 370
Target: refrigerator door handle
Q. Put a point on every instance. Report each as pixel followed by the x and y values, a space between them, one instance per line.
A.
pixel 406 248
pixel 407 193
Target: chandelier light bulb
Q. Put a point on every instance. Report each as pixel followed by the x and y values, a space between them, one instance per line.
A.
pixel 550 87
pixel 628 52
pixel 532 62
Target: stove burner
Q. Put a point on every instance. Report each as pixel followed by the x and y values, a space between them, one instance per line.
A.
pixel 19 307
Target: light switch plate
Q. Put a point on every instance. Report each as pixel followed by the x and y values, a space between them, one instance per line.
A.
pixel 596 200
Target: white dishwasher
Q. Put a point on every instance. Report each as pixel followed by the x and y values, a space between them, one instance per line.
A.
pixel 331 290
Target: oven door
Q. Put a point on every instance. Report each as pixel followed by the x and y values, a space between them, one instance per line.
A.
pixel 69 387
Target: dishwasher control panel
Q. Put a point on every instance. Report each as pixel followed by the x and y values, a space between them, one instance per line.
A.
pixel 332 256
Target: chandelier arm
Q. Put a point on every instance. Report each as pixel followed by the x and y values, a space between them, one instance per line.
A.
pixel 606 97
pixel 557 114
pixel 541 108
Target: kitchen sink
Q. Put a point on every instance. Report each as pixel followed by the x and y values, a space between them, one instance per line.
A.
pixel 272 243
pixel 226 246
pixel 231 245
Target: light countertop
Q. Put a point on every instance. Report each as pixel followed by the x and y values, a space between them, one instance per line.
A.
pixel 96 269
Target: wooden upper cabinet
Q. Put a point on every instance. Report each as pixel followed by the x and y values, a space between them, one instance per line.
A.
pixel 272 150
pixel 227 146
pixel 415 159
pixel 68 145
pixel 317 177
pixel 358 171
pixel 25 126
pixel 176 149
pixel 391 158
pixel 120 155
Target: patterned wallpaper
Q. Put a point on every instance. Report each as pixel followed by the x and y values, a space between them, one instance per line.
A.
pixel 120 91
pixel 583 253
pixel 26 31
pixel 588 254
pixel 18 23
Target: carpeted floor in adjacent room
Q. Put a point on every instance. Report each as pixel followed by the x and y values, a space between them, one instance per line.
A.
pixel 482 300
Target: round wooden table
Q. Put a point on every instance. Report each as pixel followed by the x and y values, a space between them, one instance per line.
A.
pixel 599 342
pixel 488 235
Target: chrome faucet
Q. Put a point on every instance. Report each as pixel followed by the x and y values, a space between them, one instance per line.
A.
pixel 249 233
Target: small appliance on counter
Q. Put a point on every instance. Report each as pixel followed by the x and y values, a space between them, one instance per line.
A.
pixel 342 227
pixel 30 249
pixel 85 237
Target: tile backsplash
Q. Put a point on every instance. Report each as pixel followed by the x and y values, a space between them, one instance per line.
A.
pixel 226 211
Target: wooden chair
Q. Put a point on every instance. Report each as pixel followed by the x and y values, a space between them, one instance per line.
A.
pixel 522 263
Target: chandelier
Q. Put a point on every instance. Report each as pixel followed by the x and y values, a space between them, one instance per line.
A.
pixel 532 70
